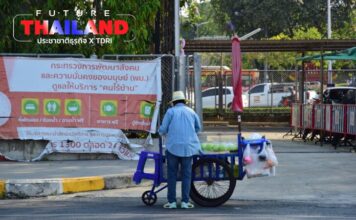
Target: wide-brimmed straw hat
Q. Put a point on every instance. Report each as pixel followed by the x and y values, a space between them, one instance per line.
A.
pixel 178 95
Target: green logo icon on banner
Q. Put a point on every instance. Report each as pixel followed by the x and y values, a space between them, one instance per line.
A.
pixel 51 106
pixel 108 108
pixel 30 106
pixel 146 110
pixel 73 106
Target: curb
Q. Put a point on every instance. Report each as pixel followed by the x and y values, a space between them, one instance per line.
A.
pixel 264 124
pixel 2 189
pixel 26 188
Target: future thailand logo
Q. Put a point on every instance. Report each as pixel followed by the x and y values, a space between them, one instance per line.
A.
pixel 72 31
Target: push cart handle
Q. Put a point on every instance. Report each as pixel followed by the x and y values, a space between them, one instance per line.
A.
pixel 160 144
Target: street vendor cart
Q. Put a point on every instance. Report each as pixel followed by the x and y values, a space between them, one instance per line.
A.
pixel 214 174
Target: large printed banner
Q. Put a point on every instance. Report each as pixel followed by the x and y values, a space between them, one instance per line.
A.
pixel 82 100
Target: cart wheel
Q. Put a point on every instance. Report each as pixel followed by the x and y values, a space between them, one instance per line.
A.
pixel 149 198
pixel 207 191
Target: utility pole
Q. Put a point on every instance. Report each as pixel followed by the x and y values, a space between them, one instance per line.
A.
pixel 265 72
pixel 330 65
pixel 176 28
pixel 220 86
pixel 180 58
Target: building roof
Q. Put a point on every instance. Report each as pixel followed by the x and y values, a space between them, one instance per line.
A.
pixel 268 45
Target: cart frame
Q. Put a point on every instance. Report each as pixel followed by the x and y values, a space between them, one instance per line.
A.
pixel 207 169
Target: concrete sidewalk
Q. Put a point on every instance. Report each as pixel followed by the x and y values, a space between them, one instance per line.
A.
pixel 44 178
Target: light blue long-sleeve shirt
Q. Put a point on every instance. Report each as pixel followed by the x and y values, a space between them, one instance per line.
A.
pixel 180 125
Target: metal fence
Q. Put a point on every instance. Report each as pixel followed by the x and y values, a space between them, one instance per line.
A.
pixel 319 112
pixel 190 82
pixel 295 118
pixel 330 122
pixel 308 116
pixel 351 126
pixel 285 89
pixel 167 73
pixel 45 55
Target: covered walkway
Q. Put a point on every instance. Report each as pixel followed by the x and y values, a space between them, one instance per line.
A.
pixel 219 46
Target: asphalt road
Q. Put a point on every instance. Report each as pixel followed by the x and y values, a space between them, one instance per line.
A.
pixel 90 206
pixel 312 182
pixel 309 185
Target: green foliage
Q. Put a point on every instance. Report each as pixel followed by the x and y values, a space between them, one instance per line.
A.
pixel 275 16
pixel 216 59
pixel 280 60
pixel 287 60
pixel 348 31
pixel 200 21
pixel 311 33
pixel 272 16
pixel 285 20
pixel 277 60
pixel 141 26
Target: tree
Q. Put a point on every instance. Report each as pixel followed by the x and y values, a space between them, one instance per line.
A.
pixel 246 15
pixel 143 26
pixel 200 21
pixel 281 20
pixel 276 17
pixel 348 30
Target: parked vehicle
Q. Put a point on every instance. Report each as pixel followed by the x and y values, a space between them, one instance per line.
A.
pixel 312 85
pixel 210 97
pixel 287 101
pixel 276 94
pixel 340 95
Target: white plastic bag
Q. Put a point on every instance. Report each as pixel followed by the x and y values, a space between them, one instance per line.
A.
pixel 272 161
pixel 257 167
pixel 149 141
pixel 263 163
pixel 247 155
pixel 262 156
pixel 271 156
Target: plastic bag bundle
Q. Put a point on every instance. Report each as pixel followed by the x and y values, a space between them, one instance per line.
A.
pixel 247 155
pixel 149 141
pixel 262 162
pixel 272 161
pixel 256 167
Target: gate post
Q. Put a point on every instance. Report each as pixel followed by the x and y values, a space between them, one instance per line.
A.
pixel 197 88
pixel 181 79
